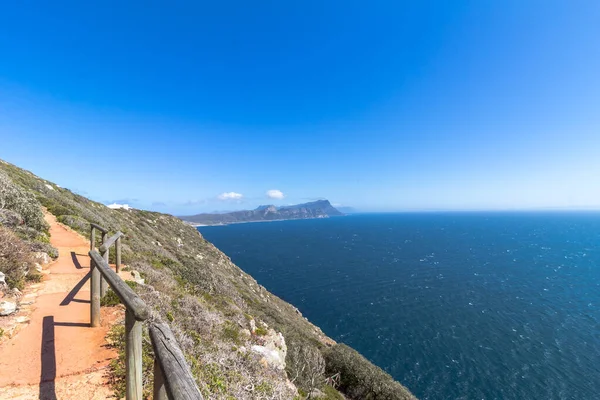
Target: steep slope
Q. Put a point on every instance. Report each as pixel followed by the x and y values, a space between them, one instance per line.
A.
pixel 241 340
pixel 315 209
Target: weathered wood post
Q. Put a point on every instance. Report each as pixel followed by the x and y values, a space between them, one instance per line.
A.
pixel 175 375
pixel 103 284
pixel 94 294
pixel 160 391
pixel 92 238
pixel 118 254
pixel 136 312
pixel 133 354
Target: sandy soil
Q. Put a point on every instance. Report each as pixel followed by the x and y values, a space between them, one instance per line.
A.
pixel 57 355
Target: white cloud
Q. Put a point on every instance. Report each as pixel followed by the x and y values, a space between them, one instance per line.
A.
pixel 230 196
pixel 275 194
pixel 116 206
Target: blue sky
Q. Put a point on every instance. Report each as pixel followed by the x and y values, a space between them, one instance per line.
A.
pixel 378 105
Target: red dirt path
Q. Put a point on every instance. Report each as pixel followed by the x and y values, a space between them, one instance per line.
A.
pixel 58 355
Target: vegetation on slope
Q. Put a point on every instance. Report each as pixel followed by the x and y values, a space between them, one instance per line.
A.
pixel 23 234
pixel 220 315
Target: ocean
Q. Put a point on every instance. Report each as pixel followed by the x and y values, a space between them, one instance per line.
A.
pixel 452 305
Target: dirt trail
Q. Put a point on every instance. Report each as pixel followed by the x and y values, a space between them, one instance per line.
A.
pixel 58 355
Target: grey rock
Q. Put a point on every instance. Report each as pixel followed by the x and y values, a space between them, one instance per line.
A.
pixel 42 257
pixel 2 278
pixel 274 349
pixel 7 308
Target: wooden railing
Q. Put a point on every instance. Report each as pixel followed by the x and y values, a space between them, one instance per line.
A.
pixel 173 379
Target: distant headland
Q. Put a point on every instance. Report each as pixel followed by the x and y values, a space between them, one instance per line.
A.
pixel 314 209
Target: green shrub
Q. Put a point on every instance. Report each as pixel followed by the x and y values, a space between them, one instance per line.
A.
pixel 76 222
pixel 110 299
pixel 231 333
pixel 13 197
pixel 261 331
pixel 264 388
pixel 360 379
pixel 15 258
pixel 34 277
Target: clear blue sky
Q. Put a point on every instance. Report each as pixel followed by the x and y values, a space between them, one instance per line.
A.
pixel 379 105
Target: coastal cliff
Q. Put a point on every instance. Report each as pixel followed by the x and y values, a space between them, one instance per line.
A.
pixel 241 341
pixel 315 209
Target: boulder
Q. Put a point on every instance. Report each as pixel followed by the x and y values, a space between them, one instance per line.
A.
pixel 2 279
pixel 7 308
pixel 42 257
pixel 137 277
pixel 273 349
pixel 271 357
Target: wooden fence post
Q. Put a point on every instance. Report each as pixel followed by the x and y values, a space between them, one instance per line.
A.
pixel 103 283
pixel 160 392
pixel 92 238
pixel 94 294
pixel 118 255
pixel 133 356
pixel 177 376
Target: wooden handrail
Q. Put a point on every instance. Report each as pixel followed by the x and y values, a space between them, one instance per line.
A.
pixel 100 228
pixel 110 241
pixel 173 378
pixel 132 301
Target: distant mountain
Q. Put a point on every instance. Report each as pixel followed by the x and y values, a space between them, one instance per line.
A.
pixel 315 209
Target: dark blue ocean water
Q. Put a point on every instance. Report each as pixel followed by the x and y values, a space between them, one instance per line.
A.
pixel 454 306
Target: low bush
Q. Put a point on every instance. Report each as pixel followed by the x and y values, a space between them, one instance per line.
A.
pixel 13 197
pixel 74 221
pixel 15 258
pixel 260 331
pixel 34 277
pixel 360 379
pixel 44 248
pixel 306 367
pixel 110 299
